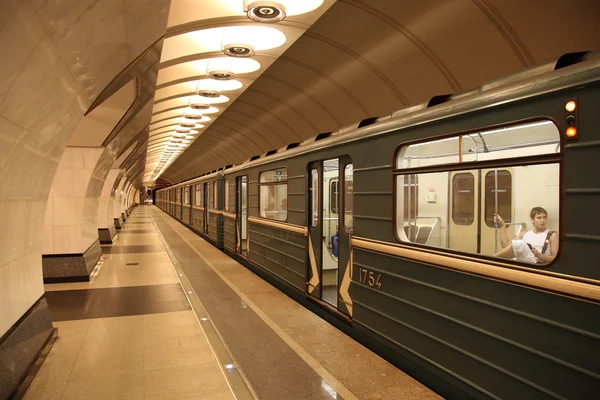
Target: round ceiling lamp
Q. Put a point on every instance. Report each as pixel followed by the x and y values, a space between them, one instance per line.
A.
pixel 209 110
pixel 274 11
pixel 221 75
pixel 182 130
pixel 199 106
pixel 238 50
pixel 266 11
pixel 209 100
pixel 187 125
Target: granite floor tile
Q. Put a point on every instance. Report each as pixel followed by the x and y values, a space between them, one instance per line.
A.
pixel 156 248
pixel 180 355
pixel 45 390
pixel 185 382
pixel 116 301
pixel 107 360
pixel 128 386
pixel 160 335
pixel 56 368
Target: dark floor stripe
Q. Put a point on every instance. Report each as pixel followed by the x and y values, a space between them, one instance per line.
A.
pixel 133 249
pixel 67 305
pixel 137 231
pixel 273 369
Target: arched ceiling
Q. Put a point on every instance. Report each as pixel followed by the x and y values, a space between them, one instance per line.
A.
pixel 360 59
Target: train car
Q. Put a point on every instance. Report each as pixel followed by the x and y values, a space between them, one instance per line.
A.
pixel 199 205
pixel 394 231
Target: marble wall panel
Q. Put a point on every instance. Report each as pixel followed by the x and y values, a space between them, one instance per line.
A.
pixel 145 22
pixel 90 37
pixel 105 218
pixel 67 239
pixel 16 21
pixel 21 282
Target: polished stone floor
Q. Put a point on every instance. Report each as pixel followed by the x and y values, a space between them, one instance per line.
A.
pixel 129 334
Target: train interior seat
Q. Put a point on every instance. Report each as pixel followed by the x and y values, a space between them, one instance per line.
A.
pixel 418 233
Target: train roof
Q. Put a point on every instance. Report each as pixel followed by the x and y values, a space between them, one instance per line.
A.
pixel 569 70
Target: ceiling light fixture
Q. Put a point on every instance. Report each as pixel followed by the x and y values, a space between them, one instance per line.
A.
pixel 266 11
pixel 221 75
pixel 238 50
pixel 274 11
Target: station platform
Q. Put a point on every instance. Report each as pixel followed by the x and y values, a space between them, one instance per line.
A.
pixel 168 316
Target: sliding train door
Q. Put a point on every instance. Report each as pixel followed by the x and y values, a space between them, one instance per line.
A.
pixel 241 210
pixel 315 229
pixel 475 196
pixel 463 213
pixel 496 198
pixel 206 222
pixel 330 226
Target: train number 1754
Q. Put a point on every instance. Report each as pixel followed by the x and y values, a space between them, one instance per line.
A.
pixel 370 278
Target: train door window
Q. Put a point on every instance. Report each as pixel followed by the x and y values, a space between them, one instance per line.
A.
pixel 273 194
pixel 186 195
pixel 226 195
pixel 463 198
pixel 214 195
pixel 334 189
pixel 498 196
pixel 314 174
pixel 348 197
pixel 465 179
pixel 198 199
pixel 330 242
pixel 411 194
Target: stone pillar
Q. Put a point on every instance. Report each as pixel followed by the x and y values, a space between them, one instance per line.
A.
pixel 70 248
pixel 106 223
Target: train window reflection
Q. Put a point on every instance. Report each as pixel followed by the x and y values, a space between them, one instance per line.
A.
pixel 198 197
pixel 460 188
pixel 226 197
pixel 314 173
pixel 334 189
pixel 273 194
pixel 529 139
pixel 348 197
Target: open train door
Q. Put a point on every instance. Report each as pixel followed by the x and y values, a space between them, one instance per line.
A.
pixel 315 229
pixel 346 224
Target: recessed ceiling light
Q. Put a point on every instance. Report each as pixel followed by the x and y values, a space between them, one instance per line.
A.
pixel 238 50
pixel 266 11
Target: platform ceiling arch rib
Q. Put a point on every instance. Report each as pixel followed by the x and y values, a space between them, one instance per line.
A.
pixel 351 60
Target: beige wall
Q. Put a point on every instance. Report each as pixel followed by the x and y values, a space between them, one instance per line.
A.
pixel 58 57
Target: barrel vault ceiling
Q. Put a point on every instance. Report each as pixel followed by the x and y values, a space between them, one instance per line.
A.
pixel 343 62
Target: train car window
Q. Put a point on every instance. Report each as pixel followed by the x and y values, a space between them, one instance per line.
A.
pixel 314 173
pixel 273 194
pixel 348 197
pixel 178 195
pixel 463 198
pixel 334 189
pixel 498 196
pixel 214 195
pixel 411 194
pixel 186 195
pixel 226 199
pixel 461 182
pixel 198 198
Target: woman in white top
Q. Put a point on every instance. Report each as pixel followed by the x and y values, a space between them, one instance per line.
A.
pixel 528 246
